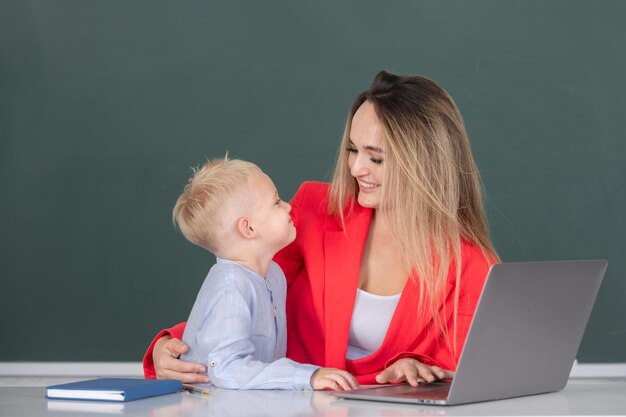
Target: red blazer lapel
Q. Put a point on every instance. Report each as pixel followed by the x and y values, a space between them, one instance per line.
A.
pixel 342 251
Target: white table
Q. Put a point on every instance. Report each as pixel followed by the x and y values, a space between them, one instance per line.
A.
pixel 580 397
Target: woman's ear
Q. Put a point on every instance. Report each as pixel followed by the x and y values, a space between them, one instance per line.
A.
pixel 245 229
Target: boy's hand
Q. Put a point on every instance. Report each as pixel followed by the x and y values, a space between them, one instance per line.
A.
pixel 334 379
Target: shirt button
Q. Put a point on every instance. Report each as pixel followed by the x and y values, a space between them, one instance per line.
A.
pixel 213 363
pixel 275 311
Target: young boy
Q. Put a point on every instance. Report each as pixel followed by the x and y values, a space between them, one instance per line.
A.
pixel 237 326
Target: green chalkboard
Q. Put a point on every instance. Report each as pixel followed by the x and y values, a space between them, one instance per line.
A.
pixel 104 106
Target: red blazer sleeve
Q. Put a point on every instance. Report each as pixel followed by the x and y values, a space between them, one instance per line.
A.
pixel 148 363
pixel 473 275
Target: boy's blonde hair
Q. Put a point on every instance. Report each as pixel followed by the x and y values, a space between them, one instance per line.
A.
pixel 201 211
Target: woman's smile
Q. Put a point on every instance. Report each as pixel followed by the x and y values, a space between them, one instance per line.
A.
pixel 367 187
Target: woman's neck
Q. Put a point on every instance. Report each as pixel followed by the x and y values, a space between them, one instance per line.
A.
pixel 382 271
pixel 381 223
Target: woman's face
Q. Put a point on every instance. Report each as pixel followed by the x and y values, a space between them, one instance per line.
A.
pixel 366 156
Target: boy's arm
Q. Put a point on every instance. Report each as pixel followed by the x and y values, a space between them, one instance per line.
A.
pixel 226 336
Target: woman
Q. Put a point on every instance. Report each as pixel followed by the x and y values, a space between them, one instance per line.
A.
pixel 391 257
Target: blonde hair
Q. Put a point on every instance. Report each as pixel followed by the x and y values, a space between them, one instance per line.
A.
pixel 431 186
pixel 200 211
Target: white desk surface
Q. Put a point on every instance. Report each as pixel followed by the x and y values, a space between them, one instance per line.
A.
pixel 580 397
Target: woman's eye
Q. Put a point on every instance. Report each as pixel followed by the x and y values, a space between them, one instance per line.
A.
pixel 373 159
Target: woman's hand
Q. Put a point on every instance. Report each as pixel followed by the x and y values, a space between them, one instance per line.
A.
pixel 413 372
pixel 334 379
pixel 167 365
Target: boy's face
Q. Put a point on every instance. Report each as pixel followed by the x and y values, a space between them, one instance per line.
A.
pixel 271 217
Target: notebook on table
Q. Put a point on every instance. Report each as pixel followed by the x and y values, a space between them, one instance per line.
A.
pixel 523 339
pixel 113 389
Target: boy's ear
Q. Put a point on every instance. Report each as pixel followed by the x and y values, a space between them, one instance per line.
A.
pixel 244 227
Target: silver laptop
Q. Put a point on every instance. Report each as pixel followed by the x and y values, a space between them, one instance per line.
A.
pixel 523 340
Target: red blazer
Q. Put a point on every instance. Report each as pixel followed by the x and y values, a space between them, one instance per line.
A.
pixel 322 269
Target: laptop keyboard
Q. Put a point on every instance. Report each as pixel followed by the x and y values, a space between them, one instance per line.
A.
pixel 432 391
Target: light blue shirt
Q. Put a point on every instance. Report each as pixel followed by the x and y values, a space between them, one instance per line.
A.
pixel 237 328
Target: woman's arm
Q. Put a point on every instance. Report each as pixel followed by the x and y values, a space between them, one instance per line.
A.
pixel 161 359
pixel 443 358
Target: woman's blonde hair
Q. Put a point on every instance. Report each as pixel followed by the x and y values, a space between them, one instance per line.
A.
pixel 431 186
pixel 201 209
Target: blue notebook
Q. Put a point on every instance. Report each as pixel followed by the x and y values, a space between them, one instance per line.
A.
pixel 113 389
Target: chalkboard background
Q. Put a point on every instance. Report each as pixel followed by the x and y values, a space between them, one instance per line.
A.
pixel 104 106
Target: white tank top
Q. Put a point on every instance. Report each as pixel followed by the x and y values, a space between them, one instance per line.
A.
pixel 370 321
